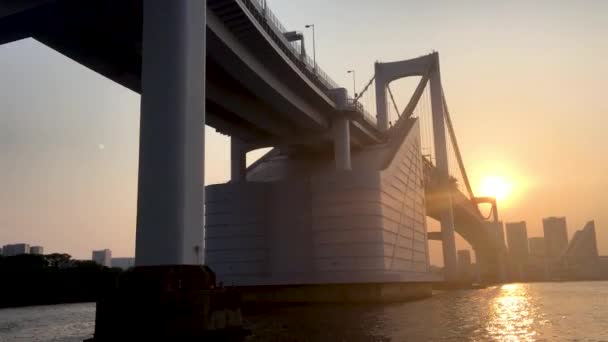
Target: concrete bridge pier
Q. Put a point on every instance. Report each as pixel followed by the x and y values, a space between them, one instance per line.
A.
pixel 341 133
pixel 238 160
pixel 441 158
pixel 164 296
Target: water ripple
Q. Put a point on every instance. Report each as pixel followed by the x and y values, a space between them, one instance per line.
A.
pixel 514 312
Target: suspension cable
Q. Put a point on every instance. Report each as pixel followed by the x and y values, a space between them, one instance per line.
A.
pixel 455 145
pixel 390 92
pixel 365 89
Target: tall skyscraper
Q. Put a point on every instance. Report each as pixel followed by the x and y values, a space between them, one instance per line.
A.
pixel 580 259
pixel 556 237
pixel 103 257
pixel 517 239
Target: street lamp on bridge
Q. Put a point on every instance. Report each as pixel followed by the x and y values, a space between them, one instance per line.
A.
pixel 354 82
pixel 314 49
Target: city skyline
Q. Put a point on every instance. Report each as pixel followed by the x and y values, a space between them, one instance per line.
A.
pixel 69 137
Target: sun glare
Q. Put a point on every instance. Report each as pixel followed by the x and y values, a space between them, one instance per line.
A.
pixel 496 187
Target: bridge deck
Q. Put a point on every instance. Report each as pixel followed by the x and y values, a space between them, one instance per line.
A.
pixel 257 89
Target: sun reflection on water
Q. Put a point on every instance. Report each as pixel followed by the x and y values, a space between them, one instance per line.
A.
pixel 513 314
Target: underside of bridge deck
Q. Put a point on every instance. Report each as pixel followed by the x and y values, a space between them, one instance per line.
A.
pixel 254 93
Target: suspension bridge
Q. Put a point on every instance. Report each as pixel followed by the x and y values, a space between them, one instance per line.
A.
pixel 341 200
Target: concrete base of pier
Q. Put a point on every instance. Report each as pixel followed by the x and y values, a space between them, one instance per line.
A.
pixel 337 293
pixel 169 303
pixel 298 220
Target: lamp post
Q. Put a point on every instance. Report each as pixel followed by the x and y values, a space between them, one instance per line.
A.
pixel 354 82
pixel 314 48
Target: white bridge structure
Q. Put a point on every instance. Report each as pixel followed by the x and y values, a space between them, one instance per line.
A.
pixel 344 195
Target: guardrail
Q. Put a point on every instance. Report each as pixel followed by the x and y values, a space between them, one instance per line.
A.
pixel 356 105
pixel 275 28
pixel 272 24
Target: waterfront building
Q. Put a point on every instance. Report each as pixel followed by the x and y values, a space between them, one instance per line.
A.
pixel 16 249
pixel 103 257
pixel 517 239
pixel 556 242
pixel 580 260
pixel 556 236
pixel 37 250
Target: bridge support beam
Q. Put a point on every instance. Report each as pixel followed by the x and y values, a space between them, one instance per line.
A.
pixel 341 132
pixel 441 157
pixel 238 160
pixel 170 194
pixel 163 297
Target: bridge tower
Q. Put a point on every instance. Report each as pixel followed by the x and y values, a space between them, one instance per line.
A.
pixel 441 160
pixel 425 66
pixel 163 296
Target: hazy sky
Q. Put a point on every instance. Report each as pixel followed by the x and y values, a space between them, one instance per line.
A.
pixel 525 82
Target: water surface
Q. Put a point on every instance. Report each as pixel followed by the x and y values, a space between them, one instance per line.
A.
pixel 514 312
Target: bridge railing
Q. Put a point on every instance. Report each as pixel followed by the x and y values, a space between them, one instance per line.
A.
pixel 306 64
pixel 354 104
pixel 265 16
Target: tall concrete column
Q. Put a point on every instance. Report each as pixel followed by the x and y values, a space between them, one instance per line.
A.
pixel 171 152
pixel 238 160
pixel 341 132
pixel 381 100
pixel 441 158
pixel 165 297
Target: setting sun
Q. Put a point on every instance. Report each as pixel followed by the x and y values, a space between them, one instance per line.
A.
pixel 496 187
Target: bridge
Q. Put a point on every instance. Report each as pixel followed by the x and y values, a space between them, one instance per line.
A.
pixel 343 196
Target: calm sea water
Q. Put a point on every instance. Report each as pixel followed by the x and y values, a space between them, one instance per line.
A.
pixel 514 312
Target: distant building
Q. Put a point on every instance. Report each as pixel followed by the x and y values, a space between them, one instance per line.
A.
pixel 536 246
pixel 103 257
pixel 603 266
pixel 556 241
pixel 123 263
pixel 16 249
pixel 556 236
pixel 517 240
pixel 580 260
pixel 496 229
pixel 465 264
pixel 537 262
pixel 37 250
